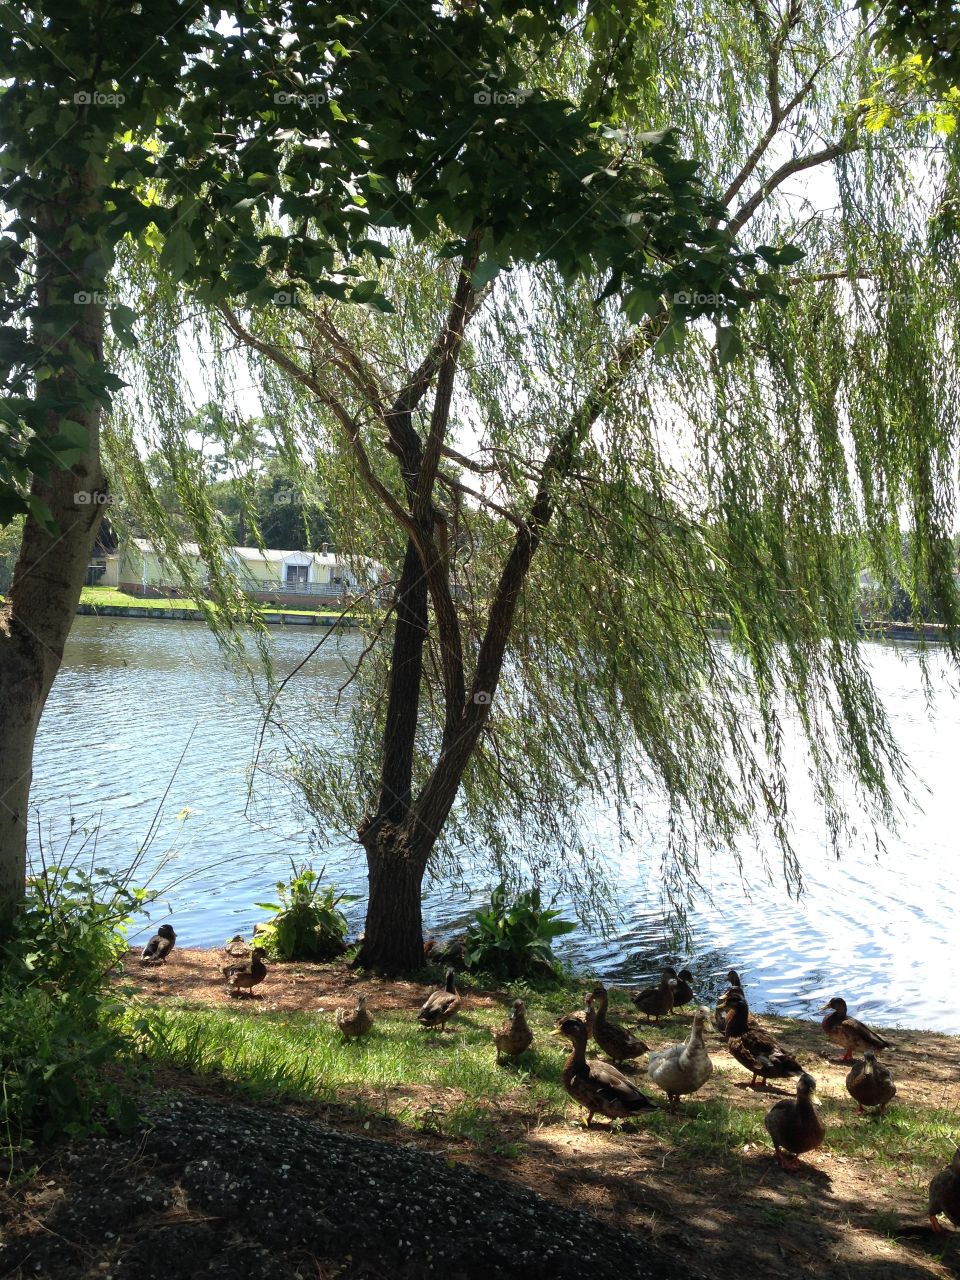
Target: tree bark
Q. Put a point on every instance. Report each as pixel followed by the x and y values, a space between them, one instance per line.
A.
pixel 393 939
pixel 38 613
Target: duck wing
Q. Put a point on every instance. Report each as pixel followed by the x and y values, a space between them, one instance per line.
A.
pixel 612 1088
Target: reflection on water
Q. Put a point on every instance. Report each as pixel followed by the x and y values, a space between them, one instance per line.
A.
pixel 134 695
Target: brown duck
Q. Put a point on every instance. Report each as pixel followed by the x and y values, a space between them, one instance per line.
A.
pixel 159 946
pixel 794 1125
pixel 944 1194
pixel 720 1013
pixel 597 1085
pixel 656 1001
pixel 850 1033
pixel 514 1036
pixel 752 1046
pixel 356 1022
pixel 615 1041
pixel 440 1005
pixel 684 992
pixel 870 1084
pixel 243 977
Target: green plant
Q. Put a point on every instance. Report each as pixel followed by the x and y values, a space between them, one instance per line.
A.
pixel 513 938
pixel 307 924
pixel 58 1024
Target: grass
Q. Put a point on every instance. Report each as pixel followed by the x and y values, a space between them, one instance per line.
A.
pixel 450 1083
pixel 445 1083
pixel 99 597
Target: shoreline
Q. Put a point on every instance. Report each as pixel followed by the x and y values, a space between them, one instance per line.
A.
pixel 684 1182
pixel 272 617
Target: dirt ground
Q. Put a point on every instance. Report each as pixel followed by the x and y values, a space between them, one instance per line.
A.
pixel 840 1215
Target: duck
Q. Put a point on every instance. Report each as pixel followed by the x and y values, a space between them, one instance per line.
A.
pixel 514 1036
pixel 752 1046
pixel 870 1084
pixel 440 1005
pixel 658 1000
pixel 794 1125
pixel 598 1085
pixel 720 1013
pixel 944 1194
pixel 243 977
pixel 615 1041
pixel 684 992
pixel 159 946
pixel 849 1033
pixel 356 1022
pixel 682 1068
pixel 236 946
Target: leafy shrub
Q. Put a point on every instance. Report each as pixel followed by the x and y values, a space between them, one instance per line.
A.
pixel 307 924
pixel 57 1025
pixel 513 938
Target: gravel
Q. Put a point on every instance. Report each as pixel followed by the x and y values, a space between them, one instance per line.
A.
pixel 213 1189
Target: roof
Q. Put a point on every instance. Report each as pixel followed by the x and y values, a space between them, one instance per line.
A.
pixel 145 546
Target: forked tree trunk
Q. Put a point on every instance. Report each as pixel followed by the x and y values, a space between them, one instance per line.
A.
pixel 38 613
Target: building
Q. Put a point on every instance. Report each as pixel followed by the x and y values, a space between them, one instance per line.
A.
pixel 268 576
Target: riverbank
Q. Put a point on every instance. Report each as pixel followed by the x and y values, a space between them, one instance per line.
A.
pixel 108 602
pixel 702 1187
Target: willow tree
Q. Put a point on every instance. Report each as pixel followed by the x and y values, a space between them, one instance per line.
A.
pixel 591 441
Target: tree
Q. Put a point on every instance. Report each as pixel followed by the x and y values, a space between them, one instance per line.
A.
pixel 577 496
pixel 77 80
pixel 114 141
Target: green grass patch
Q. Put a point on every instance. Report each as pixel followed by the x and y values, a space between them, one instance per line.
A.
pixel 450 1083
pixel 99 597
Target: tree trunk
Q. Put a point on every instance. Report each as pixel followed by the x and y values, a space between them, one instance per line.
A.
pixel 393 940
pixel 38 613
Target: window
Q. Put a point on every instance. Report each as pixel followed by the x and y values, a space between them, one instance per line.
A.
pixel 297 574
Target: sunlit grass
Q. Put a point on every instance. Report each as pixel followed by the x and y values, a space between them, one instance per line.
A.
pixel 450 1083
pixel 99 597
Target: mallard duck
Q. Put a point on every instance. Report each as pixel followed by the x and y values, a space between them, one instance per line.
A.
pixel 794 1125
pixel 752 1046
pixel 514 1036
pixel 615 1041
pixel 684 992
pixel 682 1068
pixel 870 1084
pixel 243 977
pixel 237 947
pixel 944 1194
pixel 354 1023
pixel 159 946
pixel 596 1085
pixel 850 1033
pixel 658 1000
pixel 440 1005
pixel 720 1013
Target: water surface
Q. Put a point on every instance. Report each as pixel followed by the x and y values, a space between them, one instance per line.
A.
pixel 133 696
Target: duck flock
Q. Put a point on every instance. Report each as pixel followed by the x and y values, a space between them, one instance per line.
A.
pixel 679 1069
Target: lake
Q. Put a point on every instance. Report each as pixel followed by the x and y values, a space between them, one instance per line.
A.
pixel 134 696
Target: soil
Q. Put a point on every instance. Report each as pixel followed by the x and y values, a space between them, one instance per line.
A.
pixel 723 1216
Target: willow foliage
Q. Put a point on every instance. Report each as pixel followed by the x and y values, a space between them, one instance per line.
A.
pixel 695 596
